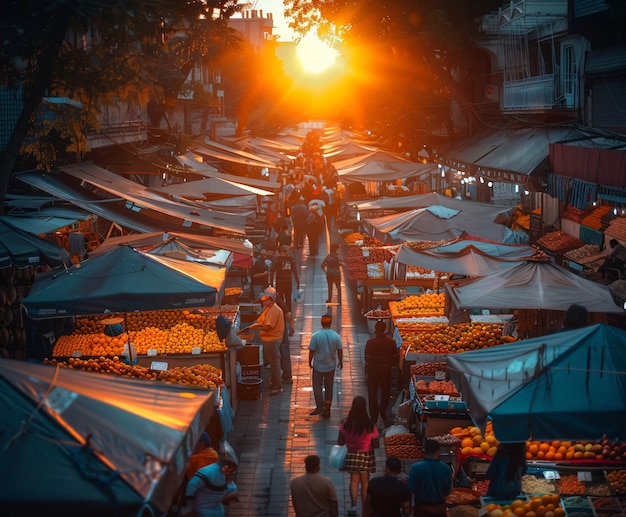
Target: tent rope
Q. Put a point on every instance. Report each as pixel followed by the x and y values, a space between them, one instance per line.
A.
pixel 22 430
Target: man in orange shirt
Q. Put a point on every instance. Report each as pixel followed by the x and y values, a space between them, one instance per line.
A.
pixel 271 325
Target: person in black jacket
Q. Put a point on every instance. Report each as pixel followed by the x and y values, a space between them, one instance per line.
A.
pixel 381 355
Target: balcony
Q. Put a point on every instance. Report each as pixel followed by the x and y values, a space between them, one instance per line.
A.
pixel 540 93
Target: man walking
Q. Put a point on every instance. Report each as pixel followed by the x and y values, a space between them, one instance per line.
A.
pixel 430 482
pixel 325 354
pixel 282 270
pixel 331 265
pixel 314 494
pixel 381 354
pixel 299 213
pixel 271 325
pixel 387 496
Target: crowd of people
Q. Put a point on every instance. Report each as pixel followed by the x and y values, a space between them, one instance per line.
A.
pixel 308 205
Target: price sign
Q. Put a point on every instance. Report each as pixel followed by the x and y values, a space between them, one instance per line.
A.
pixel 158 365
pixel 584 475
pixel 77 353
pixel 551 474
pixel 196 350
pixel 152 351
pixel 440 376
pixel 442 397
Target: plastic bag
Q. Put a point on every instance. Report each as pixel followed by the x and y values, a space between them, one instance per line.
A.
pixel 233 341
pixel 223 326
pixel 337 457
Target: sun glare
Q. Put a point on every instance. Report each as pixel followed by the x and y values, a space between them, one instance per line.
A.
pixel 315 55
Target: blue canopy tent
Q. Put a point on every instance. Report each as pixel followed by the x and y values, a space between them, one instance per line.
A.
pixel 124 280
pixel 568 385
pixel 77 443
pixel 22 249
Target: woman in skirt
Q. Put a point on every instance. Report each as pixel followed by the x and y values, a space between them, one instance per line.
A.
pixel 359 434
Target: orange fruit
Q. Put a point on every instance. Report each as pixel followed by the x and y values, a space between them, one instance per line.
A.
pixel 550 455
pixel 555 499
pixel 545 447
pixel 559 512
pixel 520 512
pixel 541 511
pixel 517 503
pixel 467 442
pixel 531 514
pixel 546 499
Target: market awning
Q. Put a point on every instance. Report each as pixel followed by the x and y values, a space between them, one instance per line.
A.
pixel 506 155
pixel 564 386
pixel 83 443
pixel 435 223
pixel 190 161
pixel 22 249
pixel 374 156
pixel 490 212
pixel 465 257
pixel 124 280
pixel 386 171
pixel 533 284
pixel 138 199
pixel 210 187
pixel 229 154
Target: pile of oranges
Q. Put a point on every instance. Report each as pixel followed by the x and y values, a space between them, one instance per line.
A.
pixel 474 443
pixel 427 304
pixel 547 505
pixel 562 450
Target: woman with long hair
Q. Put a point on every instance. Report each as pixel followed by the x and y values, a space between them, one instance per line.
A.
pixel 359 434
pixel 506 470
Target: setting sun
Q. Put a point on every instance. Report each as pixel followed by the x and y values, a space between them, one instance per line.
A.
pixel 315 55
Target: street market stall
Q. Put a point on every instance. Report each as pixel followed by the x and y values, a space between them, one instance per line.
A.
pixel 535 285
pixel 164 307
pixel 78 443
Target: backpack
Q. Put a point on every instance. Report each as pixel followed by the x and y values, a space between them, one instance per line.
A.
pixel 332 265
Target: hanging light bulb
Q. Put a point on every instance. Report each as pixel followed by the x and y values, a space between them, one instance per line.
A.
pixel 490 184
pixel 482 180
pixel 615 211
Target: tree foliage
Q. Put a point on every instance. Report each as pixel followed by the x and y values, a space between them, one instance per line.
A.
pixel 95 52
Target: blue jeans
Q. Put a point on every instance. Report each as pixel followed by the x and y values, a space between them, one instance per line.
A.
pixel 325 380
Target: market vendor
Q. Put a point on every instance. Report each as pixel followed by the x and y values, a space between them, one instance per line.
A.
pixel 615 259
pixel 506 470
pixel 271 325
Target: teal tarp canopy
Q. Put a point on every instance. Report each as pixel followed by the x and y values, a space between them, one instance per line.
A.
pixel 568 385
pixel 22 249
pixel 124 280
pixel 77 443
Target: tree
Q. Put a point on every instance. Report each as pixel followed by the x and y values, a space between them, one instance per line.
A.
pixel 135 56
pixel 414 46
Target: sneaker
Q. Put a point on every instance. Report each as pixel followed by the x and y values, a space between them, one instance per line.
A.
pixel 268 366
pixel 276 391
pixel 352 511
pixel 317 411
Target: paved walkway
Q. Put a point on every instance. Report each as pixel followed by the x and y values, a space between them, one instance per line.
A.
pixel 273 435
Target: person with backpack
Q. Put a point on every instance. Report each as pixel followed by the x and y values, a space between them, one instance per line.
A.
pixel 332 267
